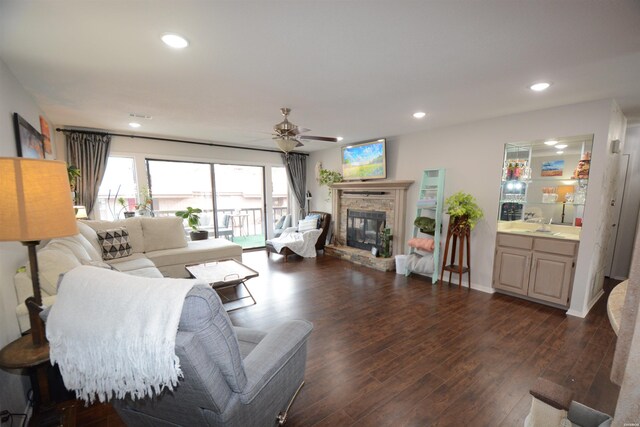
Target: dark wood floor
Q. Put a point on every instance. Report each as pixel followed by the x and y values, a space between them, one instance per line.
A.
pixel 387 350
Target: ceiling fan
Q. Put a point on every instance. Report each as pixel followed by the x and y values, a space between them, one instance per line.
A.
pixel 289 136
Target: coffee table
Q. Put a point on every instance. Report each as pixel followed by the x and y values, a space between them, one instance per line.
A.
pixel 223 274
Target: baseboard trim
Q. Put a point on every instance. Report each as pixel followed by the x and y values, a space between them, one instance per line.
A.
pixel 483 288
pixel 583 313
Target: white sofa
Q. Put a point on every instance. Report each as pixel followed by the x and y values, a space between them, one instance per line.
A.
pixel 159 248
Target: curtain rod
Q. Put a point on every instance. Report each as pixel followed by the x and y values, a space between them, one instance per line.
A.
pixel 182 141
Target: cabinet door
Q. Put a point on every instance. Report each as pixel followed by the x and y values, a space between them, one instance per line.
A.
pixel 511 270
pixel 551 278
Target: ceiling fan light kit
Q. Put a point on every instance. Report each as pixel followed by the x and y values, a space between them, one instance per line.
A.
pixel 288 135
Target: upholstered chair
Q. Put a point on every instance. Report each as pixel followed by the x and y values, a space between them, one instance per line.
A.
pixel 232 376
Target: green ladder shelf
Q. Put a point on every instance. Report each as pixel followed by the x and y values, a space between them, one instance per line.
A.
pixel 429 204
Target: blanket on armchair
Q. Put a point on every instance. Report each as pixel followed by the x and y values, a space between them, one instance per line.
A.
pixel 114 334
pixel 303 244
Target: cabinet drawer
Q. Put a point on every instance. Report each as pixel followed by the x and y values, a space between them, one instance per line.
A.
pixel 555 246
pixel 521 242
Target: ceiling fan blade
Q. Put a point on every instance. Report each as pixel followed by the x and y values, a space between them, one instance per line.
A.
pixel 319 138
pixel 302 130
pixel 300 144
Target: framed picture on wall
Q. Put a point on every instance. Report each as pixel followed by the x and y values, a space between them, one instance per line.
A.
pixel 28 139
pixel 46 139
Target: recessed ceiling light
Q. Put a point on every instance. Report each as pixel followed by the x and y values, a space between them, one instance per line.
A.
pixel 539 87
pixel 339 138
pixel 561 146
pixel 175 41
pixel 419 115
pixel 551 142
pixel 559 152
pixel 134 125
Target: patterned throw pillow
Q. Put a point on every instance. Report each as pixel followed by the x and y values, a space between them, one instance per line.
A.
pixel 115 243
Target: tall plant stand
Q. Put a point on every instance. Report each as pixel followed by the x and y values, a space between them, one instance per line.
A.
pixel 459 237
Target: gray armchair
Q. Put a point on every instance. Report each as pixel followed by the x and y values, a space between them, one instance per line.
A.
pixel 232 376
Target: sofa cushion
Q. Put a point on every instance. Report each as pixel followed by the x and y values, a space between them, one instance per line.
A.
pixel 91 236
pixel 115 243
pixel 78 246
pixel 51 264
pixel 136 265
pixel 195 252
pixel 134 228
pixel 163 233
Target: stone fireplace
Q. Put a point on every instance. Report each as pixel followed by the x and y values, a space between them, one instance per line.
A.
pixel 369 199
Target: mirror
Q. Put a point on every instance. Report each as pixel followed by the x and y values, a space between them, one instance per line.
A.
pixel 546 181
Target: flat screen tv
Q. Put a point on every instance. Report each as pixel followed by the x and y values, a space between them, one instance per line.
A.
pixel 366 160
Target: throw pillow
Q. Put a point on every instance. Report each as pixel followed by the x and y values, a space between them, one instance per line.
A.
pixel 115 243
pixel 307 224
pixel 280 222
pixel 316 217
pixel 133 226
pixel 163 233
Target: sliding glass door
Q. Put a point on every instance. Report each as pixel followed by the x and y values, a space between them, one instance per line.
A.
pixel 239 203
pixel 178 185
pixel 237 212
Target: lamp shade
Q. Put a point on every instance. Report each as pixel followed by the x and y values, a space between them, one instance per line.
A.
pixel 35 203
pixel 286 144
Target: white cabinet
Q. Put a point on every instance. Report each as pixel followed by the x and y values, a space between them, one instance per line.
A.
pixel 536 267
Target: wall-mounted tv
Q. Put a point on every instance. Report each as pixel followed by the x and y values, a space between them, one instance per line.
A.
pixel 365 160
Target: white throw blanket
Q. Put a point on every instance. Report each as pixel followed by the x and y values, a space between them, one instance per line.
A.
pixel 303 244
pixel 112 333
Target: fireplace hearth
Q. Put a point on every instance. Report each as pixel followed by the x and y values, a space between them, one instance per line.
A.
pixel 364 227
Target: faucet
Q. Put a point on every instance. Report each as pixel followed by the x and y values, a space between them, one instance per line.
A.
pixel 544 226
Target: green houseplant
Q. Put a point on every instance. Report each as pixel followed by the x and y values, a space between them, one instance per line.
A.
pixel 193 220
pixel 328 177
pixel 145 202
pixel 463 210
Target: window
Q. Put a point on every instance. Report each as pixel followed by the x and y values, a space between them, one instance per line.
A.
pixel 119 183
pixel 280 192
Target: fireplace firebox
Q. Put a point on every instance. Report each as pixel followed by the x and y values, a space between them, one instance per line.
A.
pixel 364 227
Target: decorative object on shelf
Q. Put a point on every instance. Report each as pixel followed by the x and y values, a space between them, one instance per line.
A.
pixel 193 220
pixel 582 170
pixel 425 224
pixel 385 243
pixel 516 170
pixel 328 177
pixel 549 195
pixel 552 168
pixel 463 210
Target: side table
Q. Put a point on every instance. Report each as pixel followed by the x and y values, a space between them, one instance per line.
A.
pixel 23 354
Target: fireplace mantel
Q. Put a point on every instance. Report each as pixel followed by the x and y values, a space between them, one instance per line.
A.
pixel 372 185
pixel 386 195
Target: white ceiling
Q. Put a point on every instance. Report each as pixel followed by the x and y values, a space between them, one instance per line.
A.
pixel 358 69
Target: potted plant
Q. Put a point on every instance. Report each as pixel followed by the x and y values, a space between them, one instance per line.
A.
pixel 73 174
pixel 328 177
pixel 145 203
pixel 463 210
pixel 193 219
pixel 124 206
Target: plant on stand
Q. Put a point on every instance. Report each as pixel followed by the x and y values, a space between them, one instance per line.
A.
pixel 125 207
pixel 464 211
pixel 193 220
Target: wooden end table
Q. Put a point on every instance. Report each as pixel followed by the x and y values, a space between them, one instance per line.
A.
pixel 224 274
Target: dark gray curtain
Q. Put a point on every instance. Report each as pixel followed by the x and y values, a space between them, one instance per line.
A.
pixel 89 152
pixel 296 166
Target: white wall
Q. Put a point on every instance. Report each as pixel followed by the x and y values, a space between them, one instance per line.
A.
pixel 13 98
pixel 472 154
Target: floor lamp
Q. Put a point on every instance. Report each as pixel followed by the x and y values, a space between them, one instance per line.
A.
pixel 36 205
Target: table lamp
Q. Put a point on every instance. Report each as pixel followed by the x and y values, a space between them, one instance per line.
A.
pixel 35 206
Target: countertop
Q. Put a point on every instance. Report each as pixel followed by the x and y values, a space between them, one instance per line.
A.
pixel 561 232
